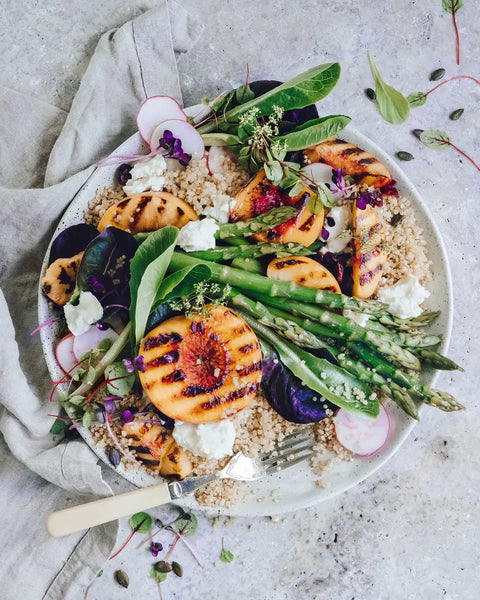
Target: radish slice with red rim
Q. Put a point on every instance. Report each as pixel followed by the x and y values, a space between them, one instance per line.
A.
pixel 90 339
pixel 216 158
pixel 192 142
pixel 360 434
pixel 319 172
pixel 66 359
pixel 153 111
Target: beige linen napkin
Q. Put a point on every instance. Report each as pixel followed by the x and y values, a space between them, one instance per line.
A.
pixel 129 64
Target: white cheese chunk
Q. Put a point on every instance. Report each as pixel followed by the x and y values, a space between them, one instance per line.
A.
pixel 404 298
pixel 220 210
pixel 197 235
pixel 339 231
pixel 212 440
pixel 147 175
pixel 80 316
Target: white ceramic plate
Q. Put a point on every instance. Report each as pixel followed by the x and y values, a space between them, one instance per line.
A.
pixel 294 488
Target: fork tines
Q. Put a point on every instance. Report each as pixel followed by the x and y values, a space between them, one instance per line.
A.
pixel 290 451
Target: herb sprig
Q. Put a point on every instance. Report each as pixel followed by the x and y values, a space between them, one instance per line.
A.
pixel 452 7
pixel 437 139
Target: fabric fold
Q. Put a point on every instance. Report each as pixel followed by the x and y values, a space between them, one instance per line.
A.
pixel 129 63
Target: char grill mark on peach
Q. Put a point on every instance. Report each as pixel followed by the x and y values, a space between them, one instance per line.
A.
pixel 174 376
pixel 247 348
pixel 369 275
pixel 308 223
pixel 288 262
pixel 195 390
pixel 162 339
pixel 168 358
pixel 248 369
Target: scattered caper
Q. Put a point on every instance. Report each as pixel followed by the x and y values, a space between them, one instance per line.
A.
pixel 371 95
pixel 162 566
pixel 177 569
pixel 417 132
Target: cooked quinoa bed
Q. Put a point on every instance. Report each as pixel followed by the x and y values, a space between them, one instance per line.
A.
pixel 259 427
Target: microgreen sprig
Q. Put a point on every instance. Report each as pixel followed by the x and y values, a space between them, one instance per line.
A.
pixel 204 293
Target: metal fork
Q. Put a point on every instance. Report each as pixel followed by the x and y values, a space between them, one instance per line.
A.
pixel 290 451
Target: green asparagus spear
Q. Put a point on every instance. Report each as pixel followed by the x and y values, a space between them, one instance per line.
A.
pixel 262 222
pixel 221 253
pixel 328 323
pixel 293 332
pixel 270 287
pixel 442 400
pixel 436 360
pixel 407 324
pixel 332 382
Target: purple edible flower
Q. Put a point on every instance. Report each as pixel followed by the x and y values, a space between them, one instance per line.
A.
pixel 339 182
pixel 140 363
pixel 128 365
pixel 173 148
pixel 372 198
pixel 156 547
pixel 109 403
pixel 123 174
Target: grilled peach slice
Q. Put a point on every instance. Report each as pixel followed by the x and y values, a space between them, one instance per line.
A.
pixel 58 282
pixel 155 446
pixel 359 164
pixel 202 369
pixel 259 195
pixel 369 259
pixel 148 212
pixel 303 271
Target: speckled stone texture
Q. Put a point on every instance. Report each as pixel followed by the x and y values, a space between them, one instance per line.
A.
pixel 410 531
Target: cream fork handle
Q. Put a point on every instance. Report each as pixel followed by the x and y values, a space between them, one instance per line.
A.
pixel 76 518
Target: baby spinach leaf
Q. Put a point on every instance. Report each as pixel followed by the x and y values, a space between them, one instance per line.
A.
pixel 148 268
pixel 244 94
pixel 313 132
pixel 452 6
pixel 435 139
pixel 105 266
pixel 416 99
pixel 393 106
pixel 303 90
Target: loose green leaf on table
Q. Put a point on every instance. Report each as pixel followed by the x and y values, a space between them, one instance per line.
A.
pixel 141 522
pixel 392 105
pixel 452 7
pixel 435 139
pixel 416 99
pixel 226 556
pixel 187 524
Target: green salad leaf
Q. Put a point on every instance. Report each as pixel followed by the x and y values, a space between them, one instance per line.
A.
pixel 393 105
pixel 416 99
pixel 147 271
pixel 304 89
pixel 452 6
pixel 313 132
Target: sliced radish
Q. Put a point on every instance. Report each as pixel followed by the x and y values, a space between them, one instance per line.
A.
pixel 361 434
pixel 66 359
pixel 90 339
pixel 153 111
pixel 216 158
pixel 192 142
pixel 319 172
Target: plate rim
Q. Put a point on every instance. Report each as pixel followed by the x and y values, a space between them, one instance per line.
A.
pixel 141 479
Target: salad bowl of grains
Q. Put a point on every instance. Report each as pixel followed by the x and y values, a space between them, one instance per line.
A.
pixel 237 272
